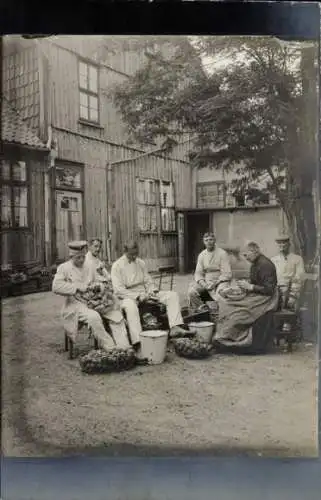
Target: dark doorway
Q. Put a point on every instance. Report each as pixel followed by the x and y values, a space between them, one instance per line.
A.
pixel 196 225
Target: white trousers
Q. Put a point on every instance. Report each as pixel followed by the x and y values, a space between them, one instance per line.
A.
pixel 169 298
pixel 119 332
pixel 94 321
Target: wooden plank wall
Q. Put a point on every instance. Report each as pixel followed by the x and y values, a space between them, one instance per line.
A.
pixel 92 155
pixel 94 147
pixel 64 52
pixel 156 249
pixel 27 246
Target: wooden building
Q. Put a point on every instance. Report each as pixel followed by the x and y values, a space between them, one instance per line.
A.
pixel 98 184
pixel 24 160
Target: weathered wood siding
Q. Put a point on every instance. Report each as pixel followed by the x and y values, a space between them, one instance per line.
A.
pixel 93 155
pixel 26 246
pixel 115 66
pixel 20 77
pixel 96 155
pixel 157 249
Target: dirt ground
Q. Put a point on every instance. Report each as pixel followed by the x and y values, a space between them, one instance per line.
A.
pixel 264 405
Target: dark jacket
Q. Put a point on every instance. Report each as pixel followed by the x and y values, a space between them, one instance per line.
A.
pixel 263 276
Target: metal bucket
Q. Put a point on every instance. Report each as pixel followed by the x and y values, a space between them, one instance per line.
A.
pixel 204 330
pixel 154 345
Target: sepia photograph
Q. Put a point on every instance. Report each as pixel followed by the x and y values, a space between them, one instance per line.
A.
pixel 160 245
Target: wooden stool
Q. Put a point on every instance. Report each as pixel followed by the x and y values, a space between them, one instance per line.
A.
pixel 294 333
pixel 69 343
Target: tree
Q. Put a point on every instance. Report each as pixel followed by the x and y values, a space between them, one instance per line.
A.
pixel 254 114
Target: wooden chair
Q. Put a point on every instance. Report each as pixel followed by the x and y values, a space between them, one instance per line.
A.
pixel 166 274
pixel 293 318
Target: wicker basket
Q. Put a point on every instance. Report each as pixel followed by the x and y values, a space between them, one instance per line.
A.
pixel 99 361
pixel 192 348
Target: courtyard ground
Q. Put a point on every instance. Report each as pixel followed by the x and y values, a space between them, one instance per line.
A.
pixel 264 405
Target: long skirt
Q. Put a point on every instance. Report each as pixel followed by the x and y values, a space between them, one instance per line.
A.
pixel 247 324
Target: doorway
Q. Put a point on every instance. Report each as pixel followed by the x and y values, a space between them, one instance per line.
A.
pixel 196 225
pixel 69 221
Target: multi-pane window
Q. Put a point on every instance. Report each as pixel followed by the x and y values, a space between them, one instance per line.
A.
pixel 14 195
pixel 147 204
pixel 88 92
pixel 153 198
pixel 211 194
pixel 167 206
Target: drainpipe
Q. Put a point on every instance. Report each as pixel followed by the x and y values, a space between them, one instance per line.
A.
pixel 43 135
pixel 110 212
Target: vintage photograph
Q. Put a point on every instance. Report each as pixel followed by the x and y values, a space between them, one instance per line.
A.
pixel 160 245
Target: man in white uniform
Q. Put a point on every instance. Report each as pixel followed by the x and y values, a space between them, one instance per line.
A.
pixel 72 278
pixel 132 283
pixel 290 272
pixel 92 257
pixel 213 270
pixel 114 315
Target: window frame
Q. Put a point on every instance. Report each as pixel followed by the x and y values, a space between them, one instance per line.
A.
pixel 171 208
pixel 11 183
pixel 147 204
pixel 211 184
pixel 158 205
pixel 89 93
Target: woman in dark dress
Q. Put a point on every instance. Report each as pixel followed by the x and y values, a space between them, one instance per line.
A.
pixel 245 319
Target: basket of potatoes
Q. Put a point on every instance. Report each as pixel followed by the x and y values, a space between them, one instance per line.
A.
pixel 192 348
pixel 115 360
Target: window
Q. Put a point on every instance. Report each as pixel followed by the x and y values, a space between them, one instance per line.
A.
pixel 14 195
pixel 155 202
pixel 147 205
pixel 167 206
pixel 88 92
pixel 211 194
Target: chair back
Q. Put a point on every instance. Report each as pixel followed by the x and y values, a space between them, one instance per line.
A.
pixel 165 277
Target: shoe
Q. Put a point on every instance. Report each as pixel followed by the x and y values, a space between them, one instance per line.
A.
pixel 136 346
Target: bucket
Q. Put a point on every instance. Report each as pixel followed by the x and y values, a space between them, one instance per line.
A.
pixel 154 345
pixel 204 329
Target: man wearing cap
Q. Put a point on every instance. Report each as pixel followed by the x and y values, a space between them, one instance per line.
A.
pixel 213 269
pixel 73 278
pixel 133 284
pixel 290 272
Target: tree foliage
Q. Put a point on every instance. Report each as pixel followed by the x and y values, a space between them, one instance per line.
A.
pixel 250 110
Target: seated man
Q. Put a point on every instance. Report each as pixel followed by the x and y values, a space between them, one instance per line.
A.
pixel 212 270
pixel 290 272
pixel 132 284
pixel 245 318
pixel 104 300
pixel 73 280
pixel 92 257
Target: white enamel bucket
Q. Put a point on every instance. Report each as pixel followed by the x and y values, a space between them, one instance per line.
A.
pixel 154 346
pixel 204 330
